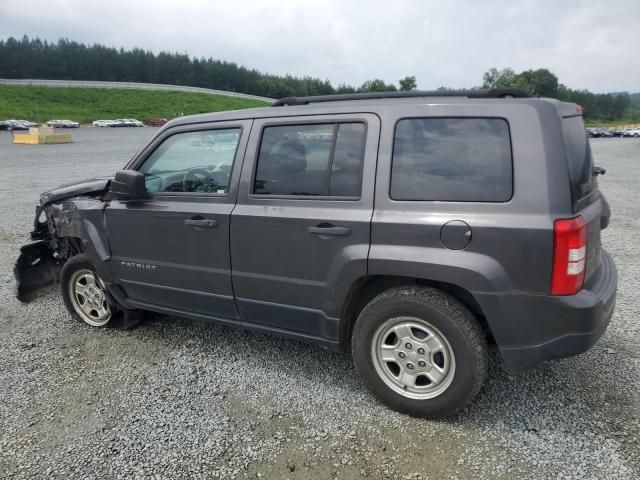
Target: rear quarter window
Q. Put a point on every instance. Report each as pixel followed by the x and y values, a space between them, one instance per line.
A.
pixel 579 158
pixel 452 159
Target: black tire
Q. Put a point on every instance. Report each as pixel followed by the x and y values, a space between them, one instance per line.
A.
pixel 120 318
pixel 73 267
pixel 452 320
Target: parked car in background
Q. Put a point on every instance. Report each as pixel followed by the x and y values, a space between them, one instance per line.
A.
pixel 631 132
pixel 28 123
pixel 16 125
pixel 605 133
pixel 108 123
pixel 594 132
pixel 118 122
pixel 130 122
pixel 63 124
pixel 156 122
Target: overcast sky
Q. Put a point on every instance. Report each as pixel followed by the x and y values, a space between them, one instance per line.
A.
pixel 588 44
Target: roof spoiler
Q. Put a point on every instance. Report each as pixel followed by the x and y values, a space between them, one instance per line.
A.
pixel 479 93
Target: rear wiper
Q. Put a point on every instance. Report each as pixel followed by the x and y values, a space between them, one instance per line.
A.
pixel 598 171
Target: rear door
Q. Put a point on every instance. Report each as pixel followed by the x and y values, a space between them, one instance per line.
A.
pixel 300 232
pixel 171 249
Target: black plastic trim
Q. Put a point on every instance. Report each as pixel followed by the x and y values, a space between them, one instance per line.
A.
pixel 480 93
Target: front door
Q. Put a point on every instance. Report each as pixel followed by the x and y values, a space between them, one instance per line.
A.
pixel 300 231
pixel 171 249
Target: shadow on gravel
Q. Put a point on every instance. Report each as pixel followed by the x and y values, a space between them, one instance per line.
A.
pixel 529 401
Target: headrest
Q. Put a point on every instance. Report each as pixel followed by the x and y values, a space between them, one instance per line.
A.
pixel 292 156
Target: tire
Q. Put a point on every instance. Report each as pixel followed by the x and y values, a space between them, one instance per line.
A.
pixel 438 336
pixel 83 293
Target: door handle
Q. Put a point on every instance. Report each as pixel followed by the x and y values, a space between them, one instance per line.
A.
pixel 328 229
pixel 201 222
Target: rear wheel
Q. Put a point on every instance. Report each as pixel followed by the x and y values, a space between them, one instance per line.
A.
pixel 420 351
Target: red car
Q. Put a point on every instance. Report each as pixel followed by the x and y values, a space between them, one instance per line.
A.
pixel 156 122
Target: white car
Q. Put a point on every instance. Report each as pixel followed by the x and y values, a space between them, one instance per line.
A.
pixel 631 132
pixel 103 123
pixel 27 123
pixel 130 122
pixel 63 124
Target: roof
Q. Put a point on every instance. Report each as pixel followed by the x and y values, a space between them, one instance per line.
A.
pixel 363 102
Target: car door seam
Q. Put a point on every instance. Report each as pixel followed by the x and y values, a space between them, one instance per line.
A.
pixel 233 209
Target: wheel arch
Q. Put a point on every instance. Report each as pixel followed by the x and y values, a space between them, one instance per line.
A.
pixel 366 288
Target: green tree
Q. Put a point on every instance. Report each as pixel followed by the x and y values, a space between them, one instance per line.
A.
pixel 376 85
pixel 408 83
pixel 495 78
pixel 343 88
pixel 539 82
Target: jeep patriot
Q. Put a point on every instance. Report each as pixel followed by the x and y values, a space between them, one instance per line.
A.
pixel 413 229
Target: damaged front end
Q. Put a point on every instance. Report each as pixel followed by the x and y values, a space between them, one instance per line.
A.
pixel 57 236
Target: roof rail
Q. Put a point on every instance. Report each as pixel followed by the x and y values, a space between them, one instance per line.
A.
pixel 479 93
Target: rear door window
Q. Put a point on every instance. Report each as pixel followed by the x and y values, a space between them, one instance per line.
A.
pixel 311 160
pixel 452 159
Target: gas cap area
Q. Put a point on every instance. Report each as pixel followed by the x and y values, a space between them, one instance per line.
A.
pixel 455 234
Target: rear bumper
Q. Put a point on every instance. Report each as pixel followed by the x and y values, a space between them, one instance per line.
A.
pixel 535 328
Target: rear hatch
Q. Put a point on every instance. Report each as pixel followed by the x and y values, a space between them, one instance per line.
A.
pixel 585 197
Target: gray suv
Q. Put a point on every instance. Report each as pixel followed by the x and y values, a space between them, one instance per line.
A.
pixel 414 229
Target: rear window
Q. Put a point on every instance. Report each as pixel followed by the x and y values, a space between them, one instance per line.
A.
pixel 452 159
pixel 579 158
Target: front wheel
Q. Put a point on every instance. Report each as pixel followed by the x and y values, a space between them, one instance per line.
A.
pixel 84 293
pixel 420 351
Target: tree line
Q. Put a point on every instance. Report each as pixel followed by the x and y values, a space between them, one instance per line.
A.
pixel 597 106
pixel 70 60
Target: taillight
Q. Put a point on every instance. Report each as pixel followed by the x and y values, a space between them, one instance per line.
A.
pixel 569 256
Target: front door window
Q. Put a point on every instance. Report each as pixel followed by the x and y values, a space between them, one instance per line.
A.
pixel 192 162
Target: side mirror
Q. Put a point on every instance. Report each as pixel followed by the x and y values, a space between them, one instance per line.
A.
pixel 128 185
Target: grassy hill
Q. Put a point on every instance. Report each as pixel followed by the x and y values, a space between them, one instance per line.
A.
pixel 84 105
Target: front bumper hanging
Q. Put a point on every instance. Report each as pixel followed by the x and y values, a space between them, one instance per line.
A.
pixel 37 271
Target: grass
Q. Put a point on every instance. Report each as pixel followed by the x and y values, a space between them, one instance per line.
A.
pixel 611 123
pixel 84 105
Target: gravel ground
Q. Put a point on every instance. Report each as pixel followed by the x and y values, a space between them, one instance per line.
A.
pixel 181 399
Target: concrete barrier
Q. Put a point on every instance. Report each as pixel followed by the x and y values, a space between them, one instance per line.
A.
pixel 41 135
pixel 127 85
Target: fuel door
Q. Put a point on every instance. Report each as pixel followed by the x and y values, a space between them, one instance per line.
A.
pixel 455 234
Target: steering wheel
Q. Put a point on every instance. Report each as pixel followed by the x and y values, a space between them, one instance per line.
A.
pixel 194 175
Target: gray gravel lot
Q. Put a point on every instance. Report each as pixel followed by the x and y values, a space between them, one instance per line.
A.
pixel 177 398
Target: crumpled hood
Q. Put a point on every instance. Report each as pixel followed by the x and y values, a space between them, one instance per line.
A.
pixel 94 185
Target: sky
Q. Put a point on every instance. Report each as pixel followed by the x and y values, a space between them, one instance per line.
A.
pixel 587 44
